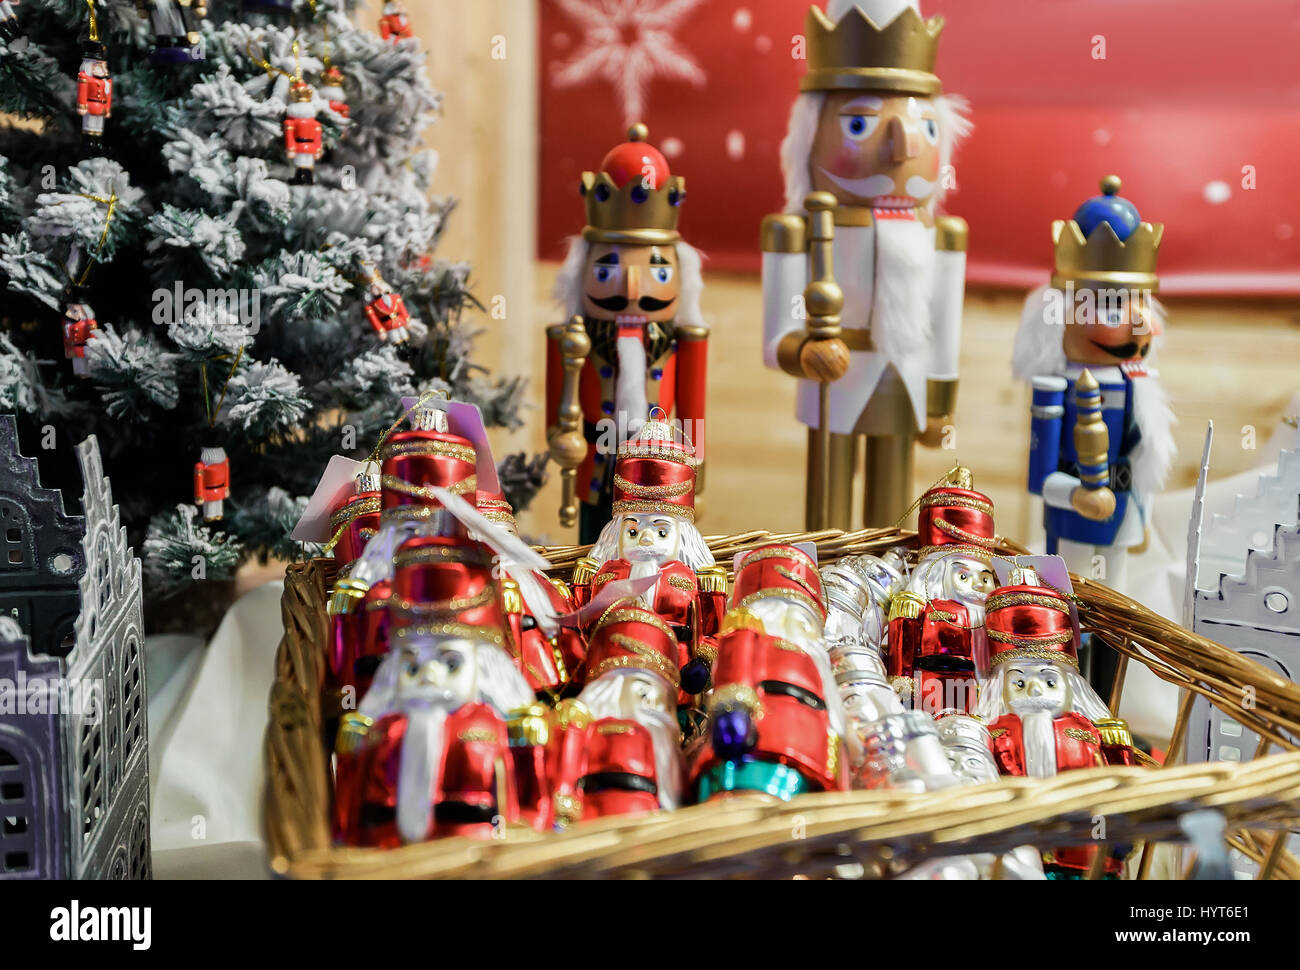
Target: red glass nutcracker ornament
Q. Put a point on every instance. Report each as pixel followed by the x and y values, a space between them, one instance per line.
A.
pixel 428 752
pixel 212 478
pixel 302 133
pixel 777 723
pixel 866 160
pixel 653 533
pixel 631 287
pixel 936 641
pixel 79 328
pixel 395 22
pixel 1042 715
pixel 94 93
pixel 331 89
pixel 619 748
pixel 386 311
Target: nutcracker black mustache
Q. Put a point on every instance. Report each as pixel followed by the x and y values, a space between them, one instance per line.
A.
pixel 615 304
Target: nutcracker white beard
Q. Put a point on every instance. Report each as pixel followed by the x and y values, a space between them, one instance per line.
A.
pixel 899 316
pixel 420 770
pixel 605 697
pixel 1039 732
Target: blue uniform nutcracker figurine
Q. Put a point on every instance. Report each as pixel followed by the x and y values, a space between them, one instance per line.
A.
pixel 1101 427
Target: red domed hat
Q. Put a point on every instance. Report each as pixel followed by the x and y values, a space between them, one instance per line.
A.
pixel 634 199
pixel 443 586
pixel 956 517
pixel 1026 621
pixel 630 637
pixel 655 473
pixel 783 571
pixel 427 455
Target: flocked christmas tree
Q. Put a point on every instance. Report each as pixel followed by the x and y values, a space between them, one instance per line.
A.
pixel 217 285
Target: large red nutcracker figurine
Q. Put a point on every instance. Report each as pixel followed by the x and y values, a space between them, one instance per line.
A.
pixel 212 479
pixel 79 327
pixel 1042 715
pixel 777 722
pixel 302 133
pixel 94 91
pixel 428 752
pixel 631 289
pixel 653 533
pixel 866 160
pixel 619 750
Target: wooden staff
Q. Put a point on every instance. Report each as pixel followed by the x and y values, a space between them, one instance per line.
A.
pixel 823 357
pixel 568 447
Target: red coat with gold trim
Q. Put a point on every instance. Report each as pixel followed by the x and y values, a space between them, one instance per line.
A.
pixel 606 767
pixel 787 686
pixel 476 755
pixel 94 94
pixel 546 665
pixel 302 136
pixel 676 374
pixel 395 27
pixel 936 651
pixel 387 313
pixel 360 641
pixel 211 482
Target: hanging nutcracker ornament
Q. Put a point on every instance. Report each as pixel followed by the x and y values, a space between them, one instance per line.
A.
pixel 79 328
pixel 636 340
pixel 212 478
pixel 1101 442
pixel 331 89
pixel 303 145
pixel 395 22
pixel 175 28
pixel 94 90
pixel 869 147
pixel 386 310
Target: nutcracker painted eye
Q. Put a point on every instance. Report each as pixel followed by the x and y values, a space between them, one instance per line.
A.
pixel 604 274
pixel 663 533
pixel 930 128
pixel 452 660
pixel 859 127
pixel 631 533
pixel 662 274
pixel 1020 683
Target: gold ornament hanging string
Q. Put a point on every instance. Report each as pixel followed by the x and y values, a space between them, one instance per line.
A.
pixel 207 397
pixel 111 202
pixel 94 21
pixel 270 69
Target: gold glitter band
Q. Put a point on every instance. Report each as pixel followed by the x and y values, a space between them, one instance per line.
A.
pixel 796 578
pixel 354 510
pixel 470 555
pixel 438 449
pixel 995 733
pixel 629 614
pixel 1079 734
pixel 637 506
pixel 402 487
pixel 999 600
pixel 650 451
pixel 957 532
pixel 652 491
pixel 448 606
pixel 737 695
pixel 785 593
pixel 1064 636
pixel 645 657
pixel 958 549
pixel 706 652
pixel 410 513
pixel 1034 653
pixel 682 583
pixel 479 735
pixel 957 501
pixel 464 631
pixel 771 552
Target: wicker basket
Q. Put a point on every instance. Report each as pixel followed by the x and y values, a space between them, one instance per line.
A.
pixel 814 834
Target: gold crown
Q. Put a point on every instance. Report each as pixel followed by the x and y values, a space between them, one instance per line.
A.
pixel 855 54
pixel 300 91
pixel 632 214
pixel 1102 257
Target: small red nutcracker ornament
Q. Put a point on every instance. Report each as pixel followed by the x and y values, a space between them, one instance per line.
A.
pixel 636 339
pixel 936 641
pixel 212 478
pixel 94 91
pixel 428 752
pixel 1043 716
pixel 331 89
pixel 619 747
pixel 395 24
pixel 653 533
pixel 302 133
pixel 387 311
pixel 777 723
pixel 79 327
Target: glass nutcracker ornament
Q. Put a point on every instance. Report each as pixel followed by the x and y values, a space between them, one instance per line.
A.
pixel 175 27
pixel 395 22
pixel 302 133
pixel 79 328
pixel 867 157
pixel 386 311
pixel 619 748
pixel 632 287
pixel 94 94
pixel 1101 444
pixel 653 533
pixel 212 478
pixel 331 89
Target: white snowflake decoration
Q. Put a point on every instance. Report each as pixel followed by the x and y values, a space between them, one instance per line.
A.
pixel 629 65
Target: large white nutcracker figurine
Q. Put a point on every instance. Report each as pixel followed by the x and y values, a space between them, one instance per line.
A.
pixel 1101 444
pixel 866 159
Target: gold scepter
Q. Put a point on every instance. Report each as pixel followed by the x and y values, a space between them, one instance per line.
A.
pixel 1091 446
pixel 567 445
pixel 822 355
